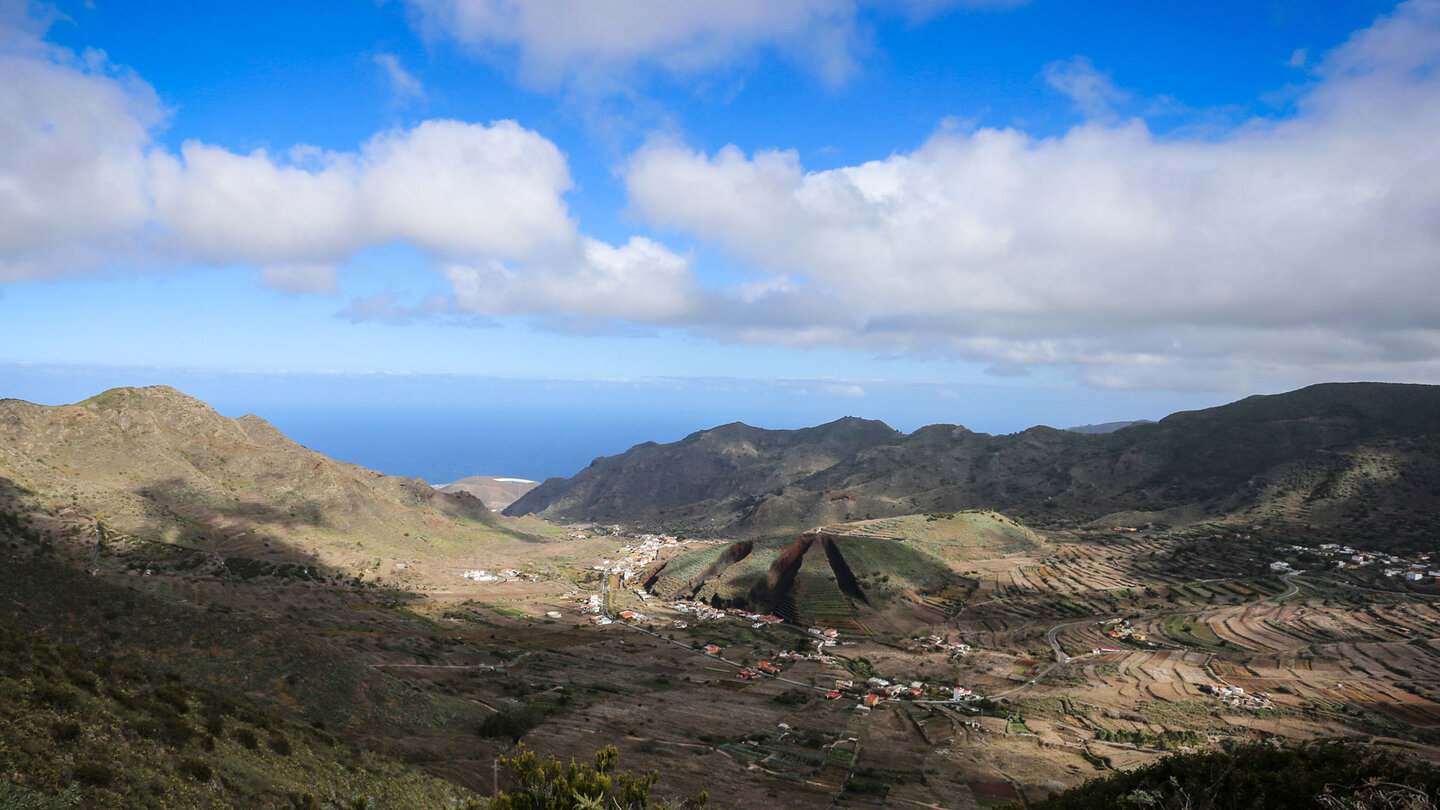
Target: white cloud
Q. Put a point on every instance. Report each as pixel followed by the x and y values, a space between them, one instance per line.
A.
pixel 1092 90
pixel 388 307
pixel 641 281
pixel 558 39
pixel 1295 244
pixel 450 188
pixel 301 278
pixel 586 41
pixel 403 83
pixel 72 164
pixel 83 186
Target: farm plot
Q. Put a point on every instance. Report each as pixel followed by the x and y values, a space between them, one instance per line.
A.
pixel 1190 631
pixel 735 582
pixel 816 599
pixel 1258 628
pixel 1413 620
pixel 1093 567
pixel 678 575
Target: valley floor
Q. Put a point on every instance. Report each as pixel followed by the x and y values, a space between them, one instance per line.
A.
pixel 1096 650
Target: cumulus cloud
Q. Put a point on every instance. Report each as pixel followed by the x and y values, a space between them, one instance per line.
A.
pixel 556 40
pixel 73 131
pixel 1292 242
pixel 448 187
pixel 640 281
pixel 84 186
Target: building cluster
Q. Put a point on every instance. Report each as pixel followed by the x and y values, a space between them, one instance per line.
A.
pixel 1414 568
pixel 1235 696
pixel 756 619
pixel 878 689
pixel 1121 629
pixel 631 559
pixel 828 636
pixel 481 575
pixel 698 610
pixel 955 649
pixel 789 655
pixel 746 673
pixel 703 611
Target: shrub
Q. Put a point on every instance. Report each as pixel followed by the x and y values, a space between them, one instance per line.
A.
pixel 1254 775
pixel 144 727
pixel 174 697
pixel 176 731
pixel 246 738
pixel 195 769
pixel 57 696
pixel 549 783
pixel 65 730
pixel 90 772
pixel 19 798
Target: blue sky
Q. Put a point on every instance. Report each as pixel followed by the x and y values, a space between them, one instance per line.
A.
pixel 990 213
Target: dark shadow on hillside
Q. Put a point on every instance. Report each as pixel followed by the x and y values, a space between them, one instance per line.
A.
pixel 175 492
pixel 179 515
pixel 13 522
pixel 11 492
pixel 233 635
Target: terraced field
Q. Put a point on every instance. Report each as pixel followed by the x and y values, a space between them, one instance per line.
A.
pixel 817 599
pixel 952 537
pixel 734 583
pixel 680 574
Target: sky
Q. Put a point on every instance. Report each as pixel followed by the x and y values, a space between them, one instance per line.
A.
pixel 640 218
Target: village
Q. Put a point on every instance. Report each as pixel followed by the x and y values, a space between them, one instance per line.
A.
pixel 1417 568
pixel 631 559
pixel 1235 696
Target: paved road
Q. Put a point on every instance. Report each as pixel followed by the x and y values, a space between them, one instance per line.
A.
pixel 1053 636
pixel 1294 586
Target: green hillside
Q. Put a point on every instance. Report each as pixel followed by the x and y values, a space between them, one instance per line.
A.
pixel 78 726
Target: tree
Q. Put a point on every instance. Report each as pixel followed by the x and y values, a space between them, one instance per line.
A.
pixel 548 784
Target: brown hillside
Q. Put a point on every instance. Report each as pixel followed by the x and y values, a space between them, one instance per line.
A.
pixel 155 463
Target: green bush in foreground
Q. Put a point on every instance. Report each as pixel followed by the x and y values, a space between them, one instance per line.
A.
pixel 1261 776
pixel 548 784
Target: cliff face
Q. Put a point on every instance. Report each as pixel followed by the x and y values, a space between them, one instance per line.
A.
pixel 1319 453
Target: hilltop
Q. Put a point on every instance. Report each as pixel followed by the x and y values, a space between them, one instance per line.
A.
pixel 156 464
pixel 1337 454
pixel 496 493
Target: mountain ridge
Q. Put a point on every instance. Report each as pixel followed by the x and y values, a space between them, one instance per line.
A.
pixel 1237 456
pixel 156 463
